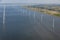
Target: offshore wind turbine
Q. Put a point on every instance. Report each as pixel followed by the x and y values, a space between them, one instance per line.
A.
pixel 53 24
pixel 4 18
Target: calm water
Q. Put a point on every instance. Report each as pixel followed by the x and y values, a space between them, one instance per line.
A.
pixel 23 24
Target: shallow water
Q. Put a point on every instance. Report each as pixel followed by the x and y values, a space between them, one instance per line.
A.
pixel 24 24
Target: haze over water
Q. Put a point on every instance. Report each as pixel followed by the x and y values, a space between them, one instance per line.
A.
pixel 23 24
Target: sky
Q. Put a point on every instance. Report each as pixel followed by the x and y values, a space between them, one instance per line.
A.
pixel 32 1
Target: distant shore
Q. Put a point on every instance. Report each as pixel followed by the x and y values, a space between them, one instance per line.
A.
pixel 46 11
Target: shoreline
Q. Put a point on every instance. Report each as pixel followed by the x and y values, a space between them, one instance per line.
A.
pixel 46 11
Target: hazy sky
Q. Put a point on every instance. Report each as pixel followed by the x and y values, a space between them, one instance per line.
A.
pixel 32 1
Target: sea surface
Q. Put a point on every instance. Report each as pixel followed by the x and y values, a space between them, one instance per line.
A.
pixel 19 23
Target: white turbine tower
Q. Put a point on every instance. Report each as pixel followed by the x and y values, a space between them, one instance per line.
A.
pixel 53 24
pixel 4 18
